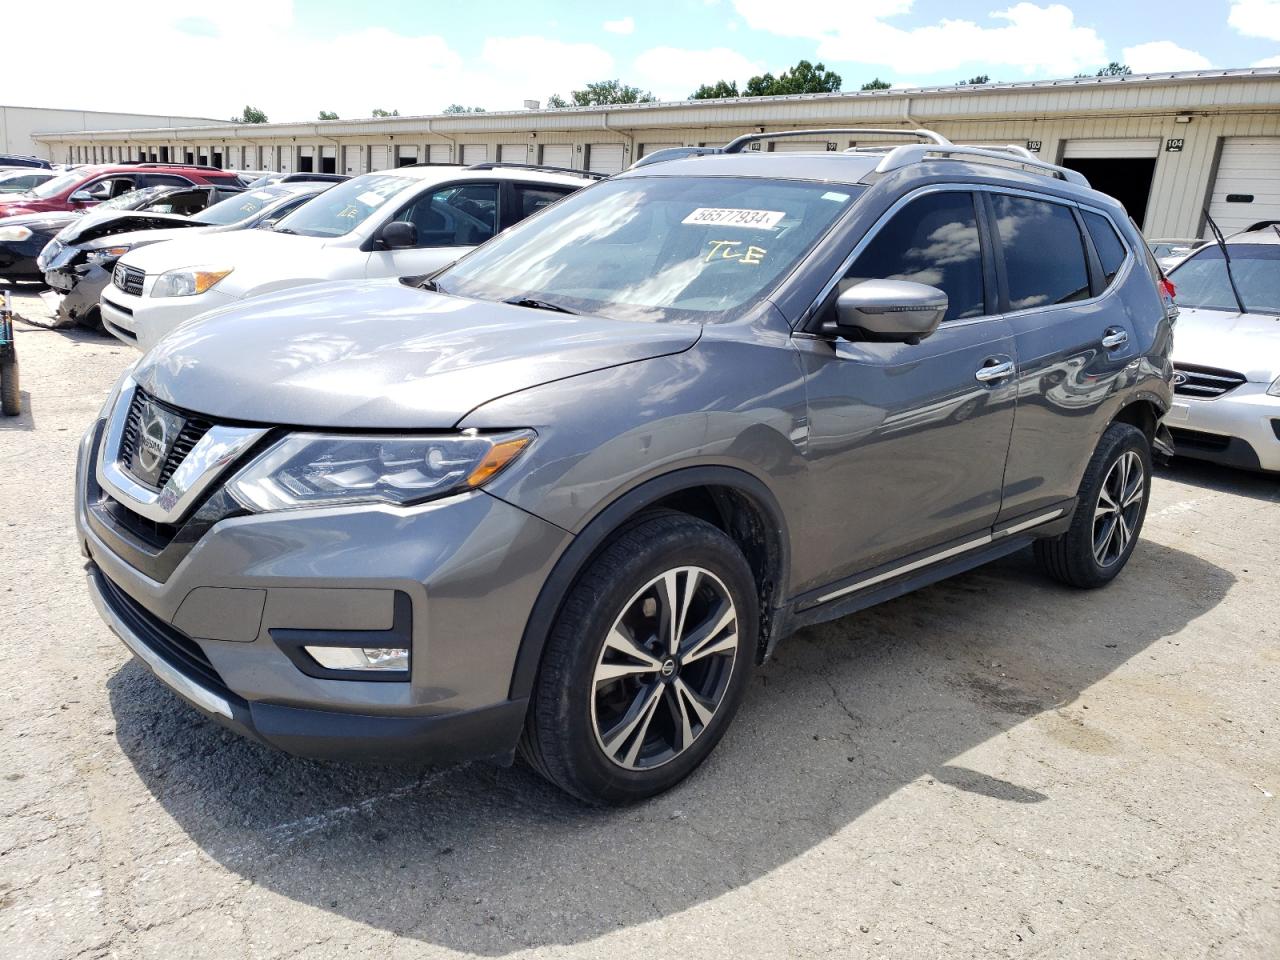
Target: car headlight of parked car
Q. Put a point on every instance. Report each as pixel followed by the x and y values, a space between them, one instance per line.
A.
pixel 188 282
pixel 1274 389
pixel 106 254
pixel 308 469
pixel 14 234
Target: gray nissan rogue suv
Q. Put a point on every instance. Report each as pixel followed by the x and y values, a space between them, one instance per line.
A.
pixel 565 494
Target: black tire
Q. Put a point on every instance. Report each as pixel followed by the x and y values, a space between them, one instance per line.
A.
pixel 91 320
pixel 10 398
pixel 1073 557
pixel 564 739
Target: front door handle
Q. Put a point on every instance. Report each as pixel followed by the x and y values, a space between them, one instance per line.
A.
pixel 1115 338
pixel 994 370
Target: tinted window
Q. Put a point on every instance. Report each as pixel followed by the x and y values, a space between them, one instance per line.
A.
pixel 932 240
pixel 1202 280
pixel 1110 250
pixel 529 199
pixel 167 180
pixel 1043 252
pixel 461 215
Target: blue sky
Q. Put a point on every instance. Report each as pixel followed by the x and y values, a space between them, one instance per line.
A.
pixel 295 57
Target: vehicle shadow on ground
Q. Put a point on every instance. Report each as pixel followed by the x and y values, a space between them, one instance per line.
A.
pixel 488 860
pixel 1213 476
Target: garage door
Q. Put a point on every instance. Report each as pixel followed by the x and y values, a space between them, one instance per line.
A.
pixel 475 153
pixel 557 155
pixel 648 148
pixel 406 154
pixel 604 157
pixel 353 159
pixel 513 153
pixel 439 153
pixel 379 157
pixel 1247 188
pixel 1109 147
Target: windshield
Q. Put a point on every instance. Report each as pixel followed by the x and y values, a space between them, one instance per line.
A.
pixel 343 207
pixel 1201 279
pixel 656 248
pixel 51 188
pixel 240 207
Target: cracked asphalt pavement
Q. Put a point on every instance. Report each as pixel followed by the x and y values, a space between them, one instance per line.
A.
pixel 995 766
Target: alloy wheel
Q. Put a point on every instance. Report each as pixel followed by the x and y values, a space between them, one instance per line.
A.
pixel 1115 518
pixel 665 668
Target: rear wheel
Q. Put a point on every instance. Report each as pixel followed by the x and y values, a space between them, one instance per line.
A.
pixel 1110 508
pixel 10 398
pixel 646 664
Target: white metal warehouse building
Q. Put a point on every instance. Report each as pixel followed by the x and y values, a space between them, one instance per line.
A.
pixel 1166 145
pixel 22 127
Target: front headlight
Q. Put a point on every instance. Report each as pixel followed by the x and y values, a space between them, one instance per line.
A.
pixel 311 470
pixel 106 254
pixel 1274 389
pixel 14 234
pixel 188 282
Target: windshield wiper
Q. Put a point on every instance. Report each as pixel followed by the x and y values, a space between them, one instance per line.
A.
pixel 535 304
pixel 292 233
pixel 1226 257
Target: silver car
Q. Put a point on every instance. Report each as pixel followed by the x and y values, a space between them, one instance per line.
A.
pixel 1227 353
pixel 565 494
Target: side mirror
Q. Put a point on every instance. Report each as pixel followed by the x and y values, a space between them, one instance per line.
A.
pixel 399 234
pixel 890 311
pixel 82 196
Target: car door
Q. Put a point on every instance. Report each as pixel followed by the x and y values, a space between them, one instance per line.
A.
pixel 449 219
pixel 907 443
pixel 1071 335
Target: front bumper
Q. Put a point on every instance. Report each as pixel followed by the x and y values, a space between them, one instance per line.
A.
pixel 1238 429
pixel 142 321
pixel 211 625
pixel 18 258
pixel 81 288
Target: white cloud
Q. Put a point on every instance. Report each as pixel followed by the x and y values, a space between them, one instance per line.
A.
pixel 673 73
pixel 625 25
pixel 1269 62
pixel 1256 18
pixel 1163 55
pixel 296 74
pixel 1029 38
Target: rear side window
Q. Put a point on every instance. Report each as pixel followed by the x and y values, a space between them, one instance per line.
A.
pixel 529 199
pixel 1110 249
pixel 932 240
pixel 1043 252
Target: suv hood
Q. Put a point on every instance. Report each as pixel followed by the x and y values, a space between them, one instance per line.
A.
pixel 273 253
pixel 378 354
pixel 93 227
pixel 1248 343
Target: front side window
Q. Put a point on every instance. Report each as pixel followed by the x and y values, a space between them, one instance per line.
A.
pixel 345 206
pixel 657 248
pixel 459 215
pixel 1202 280
pixel 1110 249
pixel 933 240
pixel 1043 252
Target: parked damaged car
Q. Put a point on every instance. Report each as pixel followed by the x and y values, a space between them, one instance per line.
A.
pixel 79 261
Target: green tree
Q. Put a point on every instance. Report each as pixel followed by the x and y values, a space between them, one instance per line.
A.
pixel 974 81
pixel 556 102
pixel 876 84
pixel 1114 69
pixel 379 112
pixel 602 93
pixel 250 115
pixel 459 108
pixel 804 77
pixel 716 91
pixel 328 115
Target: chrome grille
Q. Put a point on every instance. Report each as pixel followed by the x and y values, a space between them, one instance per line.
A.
pixel 192 430
pixel 128 279
pixel 1204 383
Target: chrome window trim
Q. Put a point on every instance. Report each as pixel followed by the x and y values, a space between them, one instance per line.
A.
pixel 208 458
pixel 958 187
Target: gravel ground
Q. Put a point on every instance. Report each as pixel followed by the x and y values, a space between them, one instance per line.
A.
pixel 991 767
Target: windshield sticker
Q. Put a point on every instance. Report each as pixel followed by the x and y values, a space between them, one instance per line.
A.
pixel 837 197
pixel 261 195
pixel 724 217
pixel 728 250
pixel 349 212
pixel 371 199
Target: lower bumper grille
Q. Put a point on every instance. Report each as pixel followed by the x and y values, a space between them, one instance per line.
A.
pixel 1199 440
pixel 167 642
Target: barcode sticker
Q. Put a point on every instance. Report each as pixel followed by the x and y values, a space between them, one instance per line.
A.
pixel 725 217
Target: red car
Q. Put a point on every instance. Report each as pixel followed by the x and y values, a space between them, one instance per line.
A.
pixel 87 186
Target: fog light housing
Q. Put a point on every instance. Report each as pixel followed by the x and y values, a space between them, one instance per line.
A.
pixel 373 659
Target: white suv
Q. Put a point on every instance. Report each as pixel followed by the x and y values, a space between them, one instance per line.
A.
pixel 393 223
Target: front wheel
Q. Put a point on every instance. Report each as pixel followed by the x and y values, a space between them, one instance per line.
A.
pixel 646 664
pixel 1110 508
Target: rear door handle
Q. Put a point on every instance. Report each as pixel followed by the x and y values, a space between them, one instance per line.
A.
pixel 1115 338
pixel 994 370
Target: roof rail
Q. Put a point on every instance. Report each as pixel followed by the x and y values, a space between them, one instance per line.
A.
pixel 736 145
pixel 502 165
pixel 910 153
pixel 186 166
